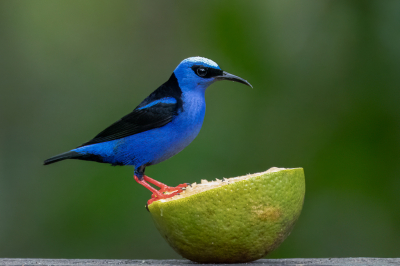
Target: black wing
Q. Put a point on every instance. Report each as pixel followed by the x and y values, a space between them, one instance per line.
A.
pixel 155 111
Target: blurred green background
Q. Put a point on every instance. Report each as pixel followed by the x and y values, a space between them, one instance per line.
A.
pixel 326 97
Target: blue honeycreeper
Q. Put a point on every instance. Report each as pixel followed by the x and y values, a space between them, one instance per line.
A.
pixel 159 127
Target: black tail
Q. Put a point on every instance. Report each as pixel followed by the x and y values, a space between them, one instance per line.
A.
pixel 62 156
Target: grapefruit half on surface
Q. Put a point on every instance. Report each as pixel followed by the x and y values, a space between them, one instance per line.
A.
pixel 233 220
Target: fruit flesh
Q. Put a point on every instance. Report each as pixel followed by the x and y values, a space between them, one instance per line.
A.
pixel 232 223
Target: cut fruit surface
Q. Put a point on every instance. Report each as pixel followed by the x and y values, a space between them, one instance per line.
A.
pixel 232 220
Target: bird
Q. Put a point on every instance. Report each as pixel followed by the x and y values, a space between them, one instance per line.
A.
pixel 161 126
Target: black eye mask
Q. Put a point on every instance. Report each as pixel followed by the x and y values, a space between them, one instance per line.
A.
pixel 206 72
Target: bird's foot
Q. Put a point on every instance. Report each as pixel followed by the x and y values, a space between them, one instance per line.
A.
pixel 164 195
pixel 164 192
pixel 178 188
pixel 163 187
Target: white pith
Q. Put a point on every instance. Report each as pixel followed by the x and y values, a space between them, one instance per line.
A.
pixel 207 185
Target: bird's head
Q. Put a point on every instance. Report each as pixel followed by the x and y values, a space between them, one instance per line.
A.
pixel 199 73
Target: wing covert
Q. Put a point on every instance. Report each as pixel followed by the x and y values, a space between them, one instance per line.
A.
pixel 153 115
pixel 157 110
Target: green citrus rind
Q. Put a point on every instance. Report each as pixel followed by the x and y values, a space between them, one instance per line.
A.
pixel 235 223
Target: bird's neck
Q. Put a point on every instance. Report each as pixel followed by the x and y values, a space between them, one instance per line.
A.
pixel 187 85
pixel 194 106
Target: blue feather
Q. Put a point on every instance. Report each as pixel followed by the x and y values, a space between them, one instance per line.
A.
pixel 167 100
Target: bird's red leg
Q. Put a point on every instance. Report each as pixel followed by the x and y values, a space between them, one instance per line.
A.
pixel 159 194
pixel 164 187
pixel 156 193
pixel 154 182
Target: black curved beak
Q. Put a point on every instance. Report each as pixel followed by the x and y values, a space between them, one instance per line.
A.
pixel 226 76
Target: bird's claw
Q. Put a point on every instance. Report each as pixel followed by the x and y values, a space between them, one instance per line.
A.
pixel 183 185
pixel 164 196
pixel 164 191
pixel 178 188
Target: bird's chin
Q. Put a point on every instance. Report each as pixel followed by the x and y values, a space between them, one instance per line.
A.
pixel 205 84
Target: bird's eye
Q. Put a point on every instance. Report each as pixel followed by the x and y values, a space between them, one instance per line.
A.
pixel 201 71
